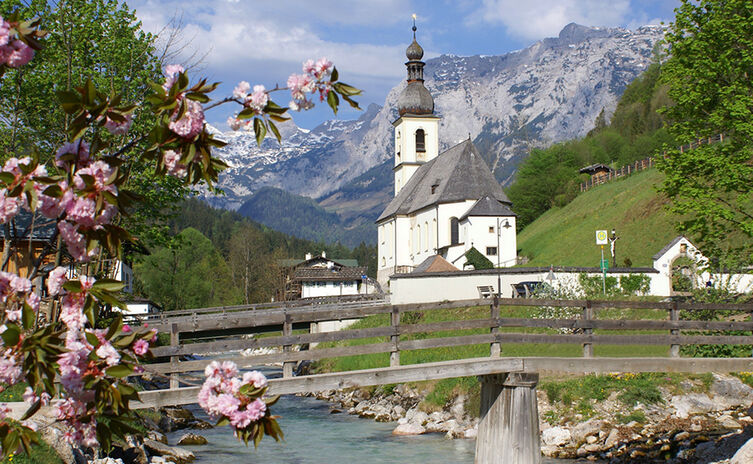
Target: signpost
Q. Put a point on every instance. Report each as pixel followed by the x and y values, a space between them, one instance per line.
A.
pixel 602 239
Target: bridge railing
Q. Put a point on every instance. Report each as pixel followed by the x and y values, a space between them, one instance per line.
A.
pixel 592 323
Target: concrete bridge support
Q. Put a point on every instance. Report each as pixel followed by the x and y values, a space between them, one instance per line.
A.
pixel 509 429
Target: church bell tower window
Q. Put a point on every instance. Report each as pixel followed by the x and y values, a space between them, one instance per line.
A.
pixel 420 140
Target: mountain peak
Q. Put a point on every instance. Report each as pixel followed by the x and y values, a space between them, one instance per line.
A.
pixel 575 33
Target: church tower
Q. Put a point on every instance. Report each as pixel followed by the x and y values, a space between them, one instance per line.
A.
pixel 416 130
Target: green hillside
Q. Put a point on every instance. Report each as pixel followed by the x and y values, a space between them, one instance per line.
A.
pixel 565 235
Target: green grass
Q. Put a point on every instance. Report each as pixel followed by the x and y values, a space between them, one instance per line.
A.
pixel 565 236
pixel 40 454
pixel 13 393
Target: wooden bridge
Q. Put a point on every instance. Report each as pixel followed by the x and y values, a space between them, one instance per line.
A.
pixel 508 431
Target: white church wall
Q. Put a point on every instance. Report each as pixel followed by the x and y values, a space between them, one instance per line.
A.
pixel 428 288
pixel 481 233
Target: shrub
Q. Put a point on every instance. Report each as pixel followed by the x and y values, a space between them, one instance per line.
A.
pixel 635 284
pixel 479 261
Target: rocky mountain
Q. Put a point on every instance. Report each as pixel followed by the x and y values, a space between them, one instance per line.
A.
pixel 549 92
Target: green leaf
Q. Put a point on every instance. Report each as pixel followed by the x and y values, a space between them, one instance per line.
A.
pixel 119 371
pixel 260 130
pixel 333 101
pixel 334 75
pixel 28 316
pixel 73 286
pixel 12 334
pixel 345 89
pixel 115 326
pixel 7 178
pixel 199 97
pixel 275 131
pixel 108 285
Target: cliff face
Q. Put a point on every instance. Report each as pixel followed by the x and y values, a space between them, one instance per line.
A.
pixel 546 93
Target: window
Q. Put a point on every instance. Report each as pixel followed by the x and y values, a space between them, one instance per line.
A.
pixel 420 140
pixel 426 236
pixel 418 238
pixel 491 251
pixel 434 188
pixel 491 229
pixel 454 231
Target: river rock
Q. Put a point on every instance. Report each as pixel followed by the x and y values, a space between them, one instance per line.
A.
pixel 409 428
pixel 160 460
pixel 728 422
pixel 555 436
pixel 692 403
pixel 54 437
pixel 458 407
pixel 581 431
pixel 471 432
pixel 419 417
pixel 731 391
pixel 612 439
pixel 453 429
pixel 744 455
pixel 157 436
pixel 172 453
pixel 175 419
pixel 190 439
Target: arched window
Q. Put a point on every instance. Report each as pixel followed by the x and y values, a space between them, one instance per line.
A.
pixel 454 231
pixel 434 234
pixel 420 140
pixel 411 242
pixel 426 236
pixel 418 238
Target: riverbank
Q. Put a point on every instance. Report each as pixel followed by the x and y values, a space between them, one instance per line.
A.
pixel 696 420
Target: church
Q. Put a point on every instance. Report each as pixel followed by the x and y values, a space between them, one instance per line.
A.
pixel 445 203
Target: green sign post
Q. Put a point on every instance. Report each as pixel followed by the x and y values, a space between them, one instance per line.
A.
pixel 601 240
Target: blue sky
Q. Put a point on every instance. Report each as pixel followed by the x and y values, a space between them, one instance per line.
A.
pixel 263 41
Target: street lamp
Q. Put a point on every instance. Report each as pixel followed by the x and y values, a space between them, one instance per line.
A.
pixel 506 225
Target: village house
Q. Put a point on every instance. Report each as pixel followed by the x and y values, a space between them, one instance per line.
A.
pixel 315 277
pixel 445 203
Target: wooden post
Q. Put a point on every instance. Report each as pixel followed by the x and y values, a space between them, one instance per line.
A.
pixel 495 348
pixel 287 330
pixel 509 429
pixel 174 342
pixel 588 313
pixel 395 339
pixel 674 315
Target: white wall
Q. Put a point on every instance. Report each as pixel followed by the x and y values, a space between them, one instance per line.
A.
pixel 328 288
pixel 405 146
pixel 481 232
pixel 463 285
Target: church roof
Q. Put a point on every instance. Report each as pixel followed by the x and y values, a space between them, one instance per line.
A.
pixel 488 206
pixel 457 174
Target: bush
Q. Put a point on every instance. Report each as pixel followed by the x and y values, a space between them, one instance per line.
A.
pixel 593 287
pixel 635 284
pixel 479 261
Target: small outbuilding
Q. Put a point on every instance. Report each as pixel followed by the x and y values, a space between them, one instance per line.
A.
pixel 599 172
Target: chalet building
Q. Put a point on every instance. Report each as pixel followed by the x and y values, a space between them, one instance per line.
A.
pixel 445 203
pixel 319 276
pixel 599 172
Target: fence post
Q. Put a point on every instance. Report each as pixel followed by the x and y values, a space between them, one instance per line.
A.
pixel 287 330
pixel 588 312
pixel 395 339
pixel 174 342
pixel 674 315
pixel 495 349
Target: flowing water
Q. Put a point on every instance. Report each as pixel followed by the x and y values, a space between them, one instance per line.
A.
pixel 314 436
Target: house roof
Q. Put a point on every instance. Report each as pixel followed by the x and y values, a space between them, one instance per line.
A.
pixel 292 262
pixel 595 167
pixel 458 174
pixel 315 274
pixel 488 206
pixel 43 228
pixel 435 263
pixel 670 245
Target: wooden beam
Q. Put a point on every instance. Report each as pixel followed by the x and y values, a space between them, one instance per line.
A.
pixel 609 365
pixel 362 378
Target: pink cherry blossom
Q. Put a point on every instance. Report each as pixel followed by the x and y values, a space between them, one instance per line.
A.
pixel 241 90
pixel 192 122
pixel 4 31
pixel 300 85
pixel 119 128
pixel 173 166
pixel 309 67
pixel 72 311
pixel 256 378
pixel 4 410
pixel 20 284
pixel 171 73
pixel 140 347
pixel 75 242
pixel 19 55
pixel 33 300
pixel 322 68
pixel 55 280
pixel 107 352
pixel 79 148
pixel 234 123
pixel 9 206
pixel 126 329
pixel 258 100
pixel 10 370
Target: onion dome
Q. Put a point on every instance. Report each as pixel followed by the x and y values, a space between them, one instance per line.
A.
pixel 415 99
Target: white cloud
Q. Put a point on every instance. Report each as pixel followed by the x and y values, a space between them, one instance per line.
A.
pixel 545 18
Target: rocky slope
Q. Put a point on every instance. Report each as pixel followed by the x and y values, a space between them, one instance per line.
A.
pixel 689 427
pixel 508 104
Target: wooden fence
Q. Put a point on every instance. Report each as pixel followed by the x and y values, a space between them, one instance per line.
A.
pixel 587 330
pixel 643 164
